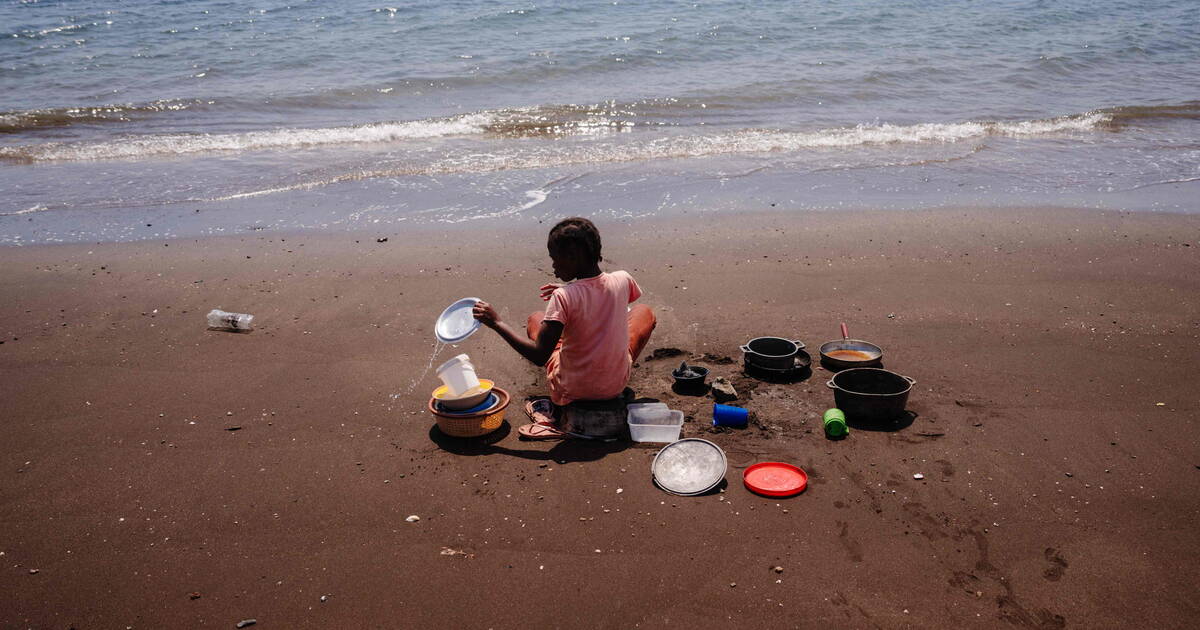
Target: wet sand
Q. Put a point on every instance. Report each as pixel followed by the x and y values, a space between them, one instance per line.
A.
pixel 157 474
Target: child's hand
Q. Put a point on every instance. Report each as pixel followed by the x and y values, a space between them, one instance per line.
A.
pixel 548 290
pixel 485 314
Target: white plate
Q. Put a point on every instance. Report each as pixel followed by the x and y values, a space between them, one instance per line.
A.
pixel 456 322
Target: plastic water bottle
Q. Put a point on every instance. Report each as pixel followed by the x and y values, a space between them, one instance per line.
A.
pixel 222 320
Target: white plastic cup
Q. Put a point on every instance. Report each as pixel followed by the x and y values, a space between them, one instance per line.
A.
pixel 459 375
pixel 223 320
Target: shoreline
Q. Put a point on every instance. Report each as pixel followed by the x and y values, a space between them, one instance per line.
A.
pixel 517 199
pixel 1056 490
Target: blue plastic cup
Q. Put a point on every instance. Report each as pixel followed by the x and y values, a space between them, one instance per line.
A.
pixel 730 416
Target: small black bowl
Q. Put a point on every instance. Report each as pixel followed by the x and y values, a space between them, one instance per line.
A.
pixel 690 383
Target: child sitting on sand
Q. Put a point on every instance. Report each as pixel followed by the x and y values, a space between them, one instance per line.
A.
pixel 588 336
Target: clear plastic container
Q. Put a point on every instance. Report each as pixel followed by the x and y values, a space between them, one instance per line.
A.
pixel 648 413
pixel 653 426
pixel 223 320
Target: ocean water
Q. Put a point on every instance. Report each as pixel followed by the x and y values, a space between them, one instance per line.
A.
pixel 164 118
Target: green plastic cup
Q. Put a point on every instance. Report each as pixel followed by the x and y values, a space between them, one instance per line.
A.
pixel 835 423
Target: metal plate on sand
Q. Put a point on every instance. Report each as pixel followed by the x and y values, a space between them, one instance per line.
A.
pixel 689 467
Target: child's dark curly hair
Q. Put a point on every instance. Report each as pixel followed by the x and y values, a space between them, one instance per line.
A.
pixel 577 233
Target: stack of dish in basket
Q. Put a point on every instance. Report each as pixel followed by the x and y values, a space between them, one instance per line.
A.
pixel 466 406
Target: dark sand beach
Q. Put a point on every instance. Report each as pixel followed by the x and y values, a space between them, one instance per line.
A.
pixel 156 474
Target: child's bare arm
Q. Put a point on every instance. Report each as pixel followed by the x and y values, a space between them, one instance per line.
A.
pixel 537 351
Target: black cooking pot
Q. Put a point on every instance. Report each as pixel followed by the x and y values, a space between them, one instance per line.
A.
pixel 772 353
pixel 693 382
pixel 870 394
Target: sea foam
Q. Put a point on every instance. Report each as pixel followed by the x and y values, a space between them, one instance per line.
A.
pixel 537 123
pixel 181 144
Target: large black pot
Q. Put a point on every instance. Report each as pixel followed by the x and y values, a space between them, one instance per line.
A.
pixel 870 394
pixel 772 353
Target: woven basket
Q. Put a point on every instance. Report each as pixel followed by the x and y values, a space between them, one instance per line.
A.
pixel 476 424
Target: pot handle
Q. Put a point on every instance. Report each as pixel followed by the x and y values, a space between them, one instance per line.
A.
pixel 830 384
pixel 911 380
pixel 744 348
pixel 799 344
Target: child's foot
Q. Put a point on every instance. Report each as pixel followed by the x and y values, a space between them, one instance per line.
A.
pixel 541 410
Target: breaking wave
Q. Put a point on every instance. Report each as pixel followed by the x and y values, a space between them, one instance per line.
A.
pixel 181 144
pixel 552 122
pixel 34 119
pixel 748 142
pixel 1121 117
pixel 685 147
pixel 30 210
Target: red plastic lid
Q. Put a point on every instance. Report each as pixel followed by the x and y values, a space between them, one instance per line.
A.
pixel 775 479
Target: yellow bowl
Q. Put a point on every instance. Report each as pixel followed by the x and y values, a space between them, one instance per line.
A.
pixel 470 399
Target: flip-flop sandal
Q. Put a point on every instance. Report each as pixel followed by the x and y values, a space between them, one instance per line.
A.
pixel 540 431
pixel 540 410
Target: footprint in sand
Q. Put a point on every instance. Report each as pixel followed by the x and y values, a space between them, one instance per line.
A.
pixel 853 547
pixel 947 468
pixel 1058 565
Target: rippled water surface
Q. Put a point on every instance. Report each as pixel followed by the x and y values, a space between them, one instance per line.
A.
pixel 217 116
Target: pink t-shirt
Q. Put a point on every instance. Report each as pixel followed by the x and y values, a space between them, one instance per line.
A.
pixel 592 361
